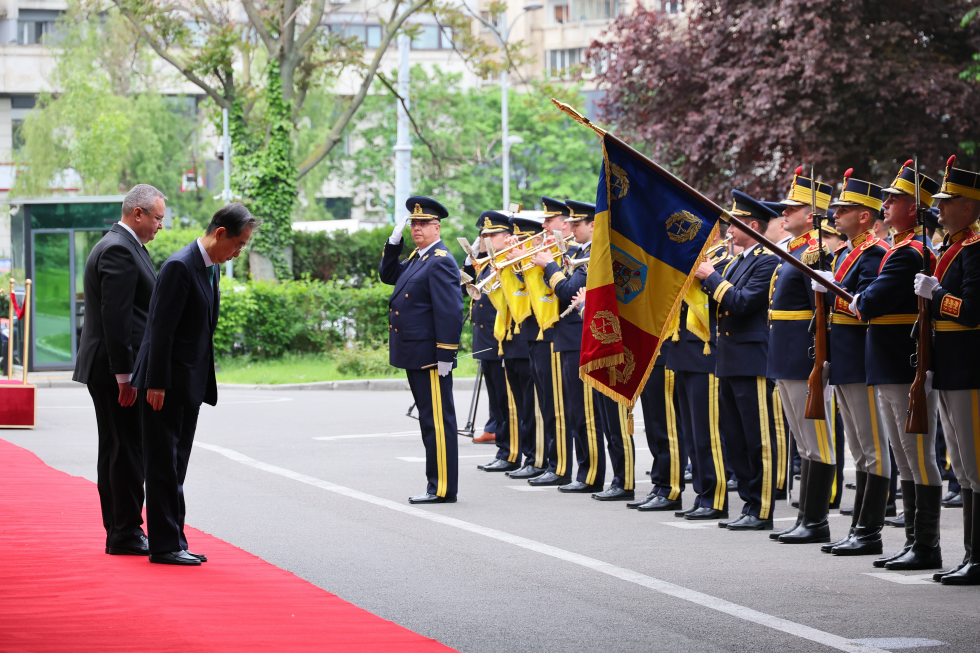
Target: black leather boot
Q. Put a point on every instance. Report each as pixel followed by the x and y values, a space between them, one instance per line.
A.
pixel 804 474
pixel 867 535
pixel 862 479
pixel 908 499
pixel 925 552
pixel 969 574
pixel 816 525
pixel 967 536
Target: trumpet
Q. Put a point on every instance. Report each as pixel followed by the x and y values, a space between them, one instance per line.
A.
pixel 494 254
pixel 723 244
pixel 575 262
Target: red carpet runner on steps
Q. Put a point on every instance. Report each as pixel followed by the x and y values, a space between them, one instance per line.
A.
pixel 60 592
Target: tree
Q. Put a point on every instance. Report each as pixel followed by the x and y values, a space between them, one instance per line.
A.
pixel 740 92
pixel 456 147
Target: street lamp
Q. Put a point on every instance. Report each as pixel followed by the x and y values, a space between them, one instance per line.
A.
pixel 505 140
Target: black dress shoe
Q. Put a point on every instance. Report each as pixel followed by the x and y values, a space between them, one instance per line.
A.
pixel 751 523
pixel 640 502
pixel 850 486
pixel 897 522
pixel 847 511
pixel 969 574
pixel 685 513
pixel 527 471
pixel 688 476
pixel 431 498
pixel 660 503
pixel 182 558
pixel 829 547
pixel 140 547
pixel 199 556
pixel 614 493
pixel 578 487
pixel 704 513
pixel 732 485
pixel 865 541
pixel 891 510
pixel 953 500
pixel 549 478
pixel 499 465
pixel 724 523
pixel 779 495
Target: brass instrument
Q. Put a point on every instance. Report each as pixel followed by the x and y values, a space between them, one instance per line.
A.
pixel 723 244
pixel 575 262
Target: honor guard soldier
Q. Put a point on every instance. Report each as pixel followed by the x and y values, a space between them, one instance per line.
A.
pixel 854 269
pixel 791 310
pixel 954 292
pixel 425 316
pixel 690 368
pixel 745 394
pixel 580 412
pixel 890 304
pixel 495 227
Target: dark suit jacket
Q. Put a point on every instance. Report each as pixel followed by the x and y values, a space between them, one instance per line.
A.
pixel 177 354
pixel 568 331
pixel 119 278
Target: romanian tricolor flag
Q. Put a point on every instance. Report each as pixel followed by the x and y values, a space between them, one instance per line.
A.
pixel 651 231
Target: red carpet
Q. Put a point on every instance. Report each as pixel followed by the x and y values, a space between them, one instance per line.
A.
pixel 60 592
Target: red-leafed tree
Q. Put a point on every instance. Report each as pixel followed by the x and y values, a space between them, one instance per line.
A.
pixel 738 93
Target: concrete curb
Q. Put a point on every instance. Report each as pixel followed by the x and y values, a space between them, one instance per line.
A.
pixel 361 385
pixel 55 383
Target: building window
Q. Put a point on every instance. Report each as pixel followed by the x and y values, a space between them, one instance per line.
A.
pixel 561 60
pixel 561 13
pixel 431 37
pixel 672 6
pixel 594 9
pixel 36 27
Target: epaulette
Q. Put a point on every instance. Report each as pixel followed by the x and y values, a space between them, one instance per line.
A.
pixel 840 248
pixel 441 252
pixel 811 255
pixel 972 240
pixel 905 242
pixel 763 250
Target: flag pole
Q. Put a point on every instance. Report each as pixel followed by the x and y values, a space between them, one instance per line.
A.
pixel 726 215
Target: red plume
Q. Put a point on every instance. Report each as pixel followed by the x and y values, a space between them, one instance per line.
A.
pixel 848 173
pixel 799 171
pixel 909 163
pixel 951 161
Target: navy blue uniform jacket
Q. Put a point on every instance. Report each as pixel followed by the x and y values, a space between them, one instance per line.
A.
pixel 483 315
pixel 568 331
pixel 742 294
pixel 891 305
pixel 791 306
pixel 848 334
pixel 425 312
pixel 956 309
pixel 177 354
pixel 687 353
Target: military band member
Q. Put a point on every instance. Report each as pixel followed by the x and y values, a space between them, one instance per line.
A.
pixel 745 394
pixel 890 304
pixel 580 410
pixel 425 318
pixel 664 438
pixel 854 269
pixel 955 295
pixel 791 309
pixel 691 362
pixel 495 227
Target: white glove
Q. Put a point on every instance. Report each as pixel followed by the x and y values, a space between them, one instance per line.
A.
pixel 819 287
pixel 925 286
pixel 853 306
pixel 445 368
pixel 396 234
pixel 928 382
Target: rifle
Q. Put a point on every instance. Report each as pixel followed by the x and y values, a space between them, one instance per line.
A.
pixel 917 419
pixel 814 385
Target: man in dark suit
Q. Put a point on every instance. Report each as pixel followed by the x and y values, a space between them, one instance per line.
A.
pixel 425 317
pixel 119 279
pixel 175 373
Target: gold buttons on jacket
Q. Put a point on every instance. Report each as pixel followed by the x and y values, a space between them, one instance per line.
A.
pixel 396 312
pixel 406 295
pixel 481 326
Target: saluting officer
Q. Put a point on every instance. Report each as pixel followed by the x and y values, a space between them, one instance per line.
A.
pixel 890 304
pixel 425 316
pixel 745 394
pixel 580 411
pixel 791 308
pixel 495 227
pixel 955 295
pixel 854 269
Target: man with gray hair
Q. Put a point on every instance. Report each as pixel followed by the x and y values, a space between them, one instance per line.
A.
pixel 119 279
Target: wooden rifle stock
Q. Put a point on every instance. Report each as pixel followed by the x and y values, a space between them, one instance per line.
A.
pixel 917 420
pixel 814 386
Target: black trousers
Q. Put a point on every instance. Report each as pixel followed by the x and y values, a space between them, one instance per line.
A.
pixel 582 423
pixel 664 437
pixel 749 431
pixel 615 418
pixel 541 358
pixel 698 415
pixel 501 414
pixel 168 435
pixel 518 371
pixel 437 417
pixel 120 465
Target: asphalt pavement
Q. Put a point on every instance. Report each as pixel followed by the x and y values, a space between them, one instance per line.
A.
pixel 316 483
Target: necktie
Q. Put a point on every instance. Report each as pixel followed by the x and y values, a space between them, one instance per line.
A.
pixel 211 274
pixel 734 266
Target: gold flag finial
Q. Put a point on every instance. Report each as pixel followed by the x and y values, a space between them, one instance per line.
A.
pixel 578 117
